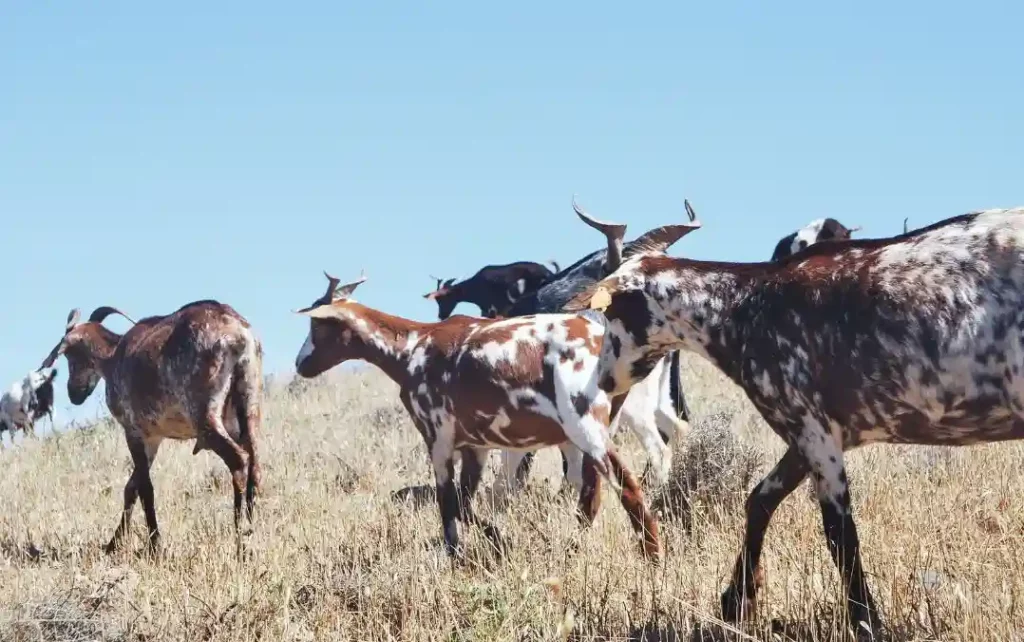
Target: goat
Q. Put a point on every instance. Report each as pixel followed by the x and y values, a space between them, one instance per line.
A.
pixel 818 230
pixel 655 409
pixel 28 400
pixel 494 288
pixel 473 384
pixel 193 374
pixel 912 339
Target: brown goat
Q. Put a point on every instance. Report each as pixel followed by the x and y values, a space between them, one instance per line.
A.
pixel 193 374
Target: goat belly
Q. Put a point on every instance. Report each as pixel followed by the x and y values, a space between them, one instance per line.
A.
pixel 512 428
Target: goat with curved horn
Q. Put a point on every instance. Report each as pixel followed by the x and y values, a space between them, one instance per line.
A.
pixel 614 232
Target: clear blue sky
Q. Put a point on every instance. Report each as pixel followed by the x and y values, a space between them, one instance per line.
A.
pixel 154 155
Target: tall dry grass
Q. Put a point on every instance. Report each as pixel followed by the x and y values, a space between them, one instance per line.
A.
pixel 339 552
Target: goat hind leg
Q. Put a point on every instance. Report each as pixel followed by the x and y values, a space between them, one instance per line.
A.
pixel 234 457
pixel 469 480
pixel 447 503
pixel 246 393
pixel 833 487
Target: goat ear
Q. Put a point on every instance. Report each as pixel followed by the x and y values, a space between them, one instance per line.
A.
pixel 327 311
pixel 597 296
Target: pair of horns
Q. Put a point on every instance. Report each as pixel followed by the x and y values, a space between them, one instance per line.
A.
pixel 322 308
pixel 335 291
pixel 442 287
pixel 657 240
pixel 98 316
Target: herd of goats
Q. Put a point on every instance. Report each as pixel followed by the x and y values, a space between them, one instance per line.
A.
pixel 838 342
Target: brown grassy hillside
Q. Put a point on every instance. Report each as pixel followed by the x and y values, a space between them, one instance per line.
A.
pixel 335 555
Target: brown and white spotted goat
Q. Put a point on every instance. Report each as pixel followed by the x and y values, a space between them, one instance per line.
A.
pixel 473 384
pixel 911 339
pixel 193 374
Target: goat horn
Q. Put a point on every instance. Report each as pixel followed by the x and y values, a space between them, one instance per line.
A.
pixel 345 291
pixel 689 210
pixel 52 357
pixel 72 319
pixel 660 238
pixel 332 285
pixel 856 229
pixel 905 224
pixel 101 313
pixel 614 232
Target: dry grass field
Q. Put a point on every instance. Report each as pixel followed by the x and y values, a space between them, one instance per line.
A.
pixel 340 553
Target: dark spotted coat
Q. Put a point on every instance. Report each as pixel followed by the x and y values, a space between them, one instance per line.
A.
pixel 910 339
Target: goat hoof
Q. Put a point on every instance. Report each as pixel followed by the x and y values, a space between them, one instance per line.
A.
pixel 496 541
pixel 651 551
pixel 112 547
pixel 867 633
pixel 735 606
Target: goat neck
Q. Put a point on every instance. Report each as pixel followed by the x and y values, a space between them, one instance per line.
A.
pixel 382 339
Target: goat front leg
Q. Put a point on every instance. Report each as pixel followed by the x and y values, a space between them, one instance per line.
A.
pixel 590 491
pixel 139 485
pixel 632 498
pixel 738 600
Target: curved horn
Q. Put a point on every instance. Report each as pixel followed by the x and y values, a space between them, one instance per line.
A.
pixel 72 319
pixel 102 312
pixel 689 210
pixel 345 291
pixel 905 224
pixel 855 229
pixel 332 285
pixel 554 264
pixel 52 357
pixel 661 238
pixel 614 232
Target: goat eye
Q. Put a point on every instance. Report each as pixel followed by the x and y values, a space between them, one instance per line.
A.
pixel 803 244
